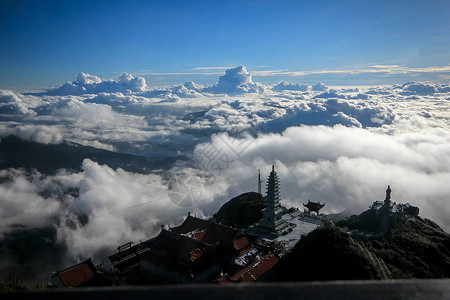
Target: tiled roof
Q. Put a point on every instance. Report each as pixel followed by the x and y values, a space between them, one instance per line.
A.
pixel 314 206
pixel 253 272
pixel 220 234
pixel 176 247
pixel 262 268
pixel 190 224
pixel 78 275
pixel 198 235
pixel 241 242
pixel 213 233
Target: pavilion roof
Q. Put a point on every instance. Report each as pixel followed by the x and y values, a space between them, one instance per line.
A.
pixel 314 206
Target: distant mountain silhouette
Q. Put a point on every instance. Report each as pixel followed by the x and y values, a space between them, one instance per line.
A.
pixel 49 158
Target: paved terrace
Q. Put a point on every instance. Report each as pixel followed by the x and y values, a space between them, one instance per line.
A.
pixel 303 225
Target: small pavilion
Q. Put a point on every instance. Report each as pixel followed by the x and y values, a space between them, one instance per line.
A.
pixel 313 206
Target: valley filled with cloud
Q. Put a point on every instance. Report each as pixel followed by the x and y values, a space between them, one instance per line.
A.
pixel 337 145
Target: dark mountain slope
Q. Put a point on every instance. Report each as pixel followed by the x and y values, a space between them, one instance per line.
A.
pixel 414 248
pixel 241 211
pixel 328 253
pixel 47 159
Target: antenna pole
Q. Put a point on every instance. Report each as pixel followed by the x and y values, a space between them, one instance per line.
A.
pixel 259 181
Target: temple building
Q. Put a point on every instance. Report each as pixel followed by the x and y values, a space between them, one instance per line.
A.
pixel 272 222
pixel 391 208
pixel 83 274
pixel 313 206
pixel 194 252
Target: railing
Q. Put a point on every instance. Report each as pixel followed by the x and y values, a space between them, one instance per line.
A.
pixel 345 290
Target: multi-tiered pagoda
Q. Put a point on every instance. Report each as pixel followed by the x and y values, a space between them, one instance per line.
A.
pixel 272 220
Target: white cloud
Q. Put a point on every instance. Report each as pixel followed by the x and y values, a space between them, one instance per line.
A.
pixel 119 206
pixel 375 69
pixel 90 84
pixel 235 81
pixel 349 168
pixel 22 199
pixel 284 86
pixel 12 103
pixel 424 88
pixel 319 87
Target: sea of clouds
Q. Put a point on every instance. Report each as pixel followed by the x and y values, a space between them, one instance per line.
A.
pixel 341 146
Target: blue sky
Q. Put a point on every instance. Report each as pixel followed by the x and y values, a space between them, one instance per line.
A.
pixel 46 43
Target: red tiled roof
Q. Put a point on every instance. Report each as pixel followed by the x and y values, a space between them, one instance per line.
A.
pixel 262 268
pixel 78 274
pixel 253 272
pixel 173 246
pixel 198 235
pixel 213 233
pixel 241 243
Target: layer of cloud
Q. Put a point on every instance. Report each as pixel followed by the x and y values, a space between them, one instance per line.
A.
pixel 375 69
pixel 348 168
pixel 424 88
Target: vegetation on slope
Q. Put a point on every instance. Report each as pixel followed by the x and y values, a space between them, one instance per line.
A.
pixel 241 211
pixel 13 284
pixel 328 253
pixel 414 248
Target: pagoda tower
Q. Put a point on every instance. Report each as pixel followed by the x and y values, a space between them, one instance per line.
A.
pixel 272 214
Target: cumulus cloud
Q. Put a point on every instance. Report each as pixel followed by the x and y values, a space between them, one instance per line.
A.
pixel 319 87
pixel 11 103
pixel 90 84
pixel 236 81
pixel 285 86
pixel 424 88
pixel 331 112
pixel 332 93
